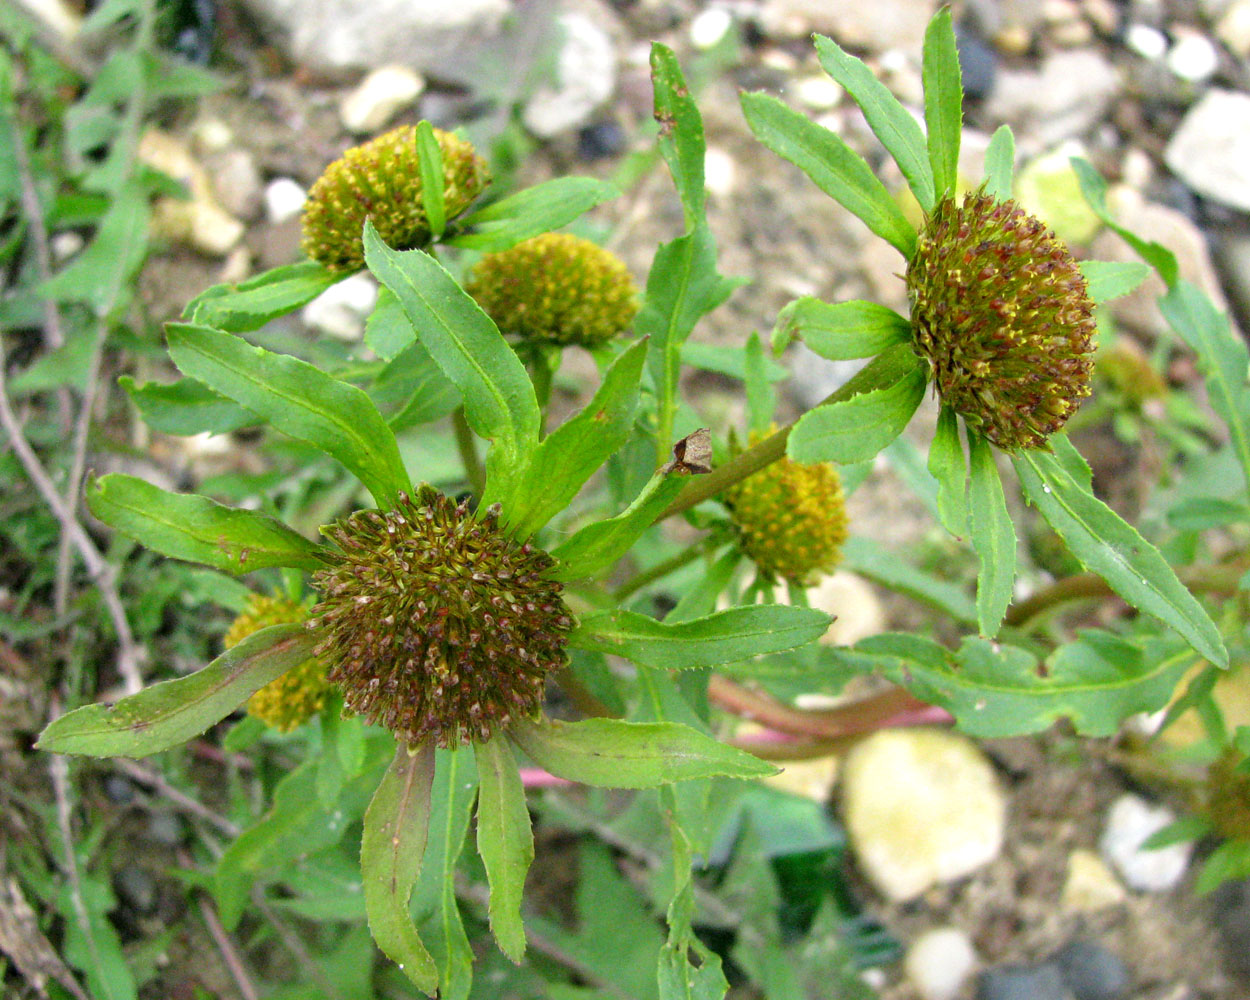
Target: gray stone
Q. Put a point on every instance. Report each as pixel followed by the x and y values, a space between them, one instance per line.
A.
pixel 938 962
pixel 878 26
pixel 1232 908
pixel 585 78
pixel 1041 982
pixel 1210 150
pixel 236 182
pixel 119 789
pixel 165 828
pixel 1232 250
pixel 1131 821
pixel 1071 92
pixel 1091 972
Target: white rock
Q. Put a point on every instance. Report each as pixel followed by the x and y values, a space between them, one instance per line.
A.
pixel 1130 822
pixel 1090 884
pixel 236 182
pixel 1233 29
pixel 720 173
pixel 65 244
pixel 284 199
pixel 857 609
pixel 585 75
pixel 877 25
pixel 211 135
pixel 938 962
pixel 1147 42
pixel 1193 57
pixel 818 92
pixel 199 220
pixel 1210 150
pixel 378 96
pixel 922 807
pixel 709 27
pixel 341 310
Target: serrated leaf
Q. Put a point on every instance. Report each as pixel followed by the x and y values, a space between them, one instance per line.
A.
pixel 195 528
pixel 678 979
pixel 172 712
pixel 1108 546
pixel 505 841
pixel 392 845
pixel 833 167
pixel 531 212
pixel 949 467
pixel 186 407
pixel 890 122
pixel 856 429
pixel 722 637
pixel 681 131
pixel 612 753
pixel 249 305
pixel 943 101
pixel 992 534
pixel 1108 279
pixel 430 165
pixel 1000 163
pixel 499 400
pixel 299 400
pixel 841 331
pixel 572 453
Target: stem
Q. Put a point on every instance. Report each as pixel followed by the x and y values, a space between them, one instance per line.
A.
pixel 474 471
pixel 660 569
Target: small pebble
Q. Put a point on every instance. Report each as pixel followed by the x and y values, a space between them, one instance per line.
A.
pixel 1041 982
pixel 1090 885
pixel 939 961
pixel 284 199
pixel 709 27
pixel 1147 42
pixel 1233 28
pixel 340 311
pixel 136 888
pixel 1130 821
pixel 978 64
pixel 1091 972
pixel 119 789
pixel 165 828
pixel 601 140
pixel 65 244
pixel 719 172
pixel 211 135
pixel 1193 57
pixel 378 96
pixel 820 93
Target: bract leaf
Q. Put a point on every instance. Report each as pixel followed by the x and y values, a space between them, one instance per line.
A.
pixel 992 534
pixel 249 305
pixel 950 468
pixel 531 212
pixel 841 331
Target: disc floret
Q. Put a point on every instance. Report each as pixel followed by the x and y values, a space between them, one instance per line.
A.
pixel 556 288
pixel 435 623
pixel 381 181
pixel 1003 317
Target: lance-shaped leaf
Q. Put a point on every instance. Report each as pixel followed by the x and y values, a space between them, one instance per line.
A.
pixel 198 529
pixel 397 825
pixel 996 690
pixel 186 407
pixel 992 534
pixel 430 166
pixel 172 712
pixel 943 101
pixel 532 212
pixel 761 400
pixel 612 753
pixel 681 131
pixel 722 637
pixel 890 121
pixel 249 305
pixel 1057 485
pixel 1000 163
pixel 841 331
pixel 1109 279
pixel 499 400
pixel 571 454
pixel 950 468
pixel 856 429
pixel 505 841
pixel 297 399
pixel 832 165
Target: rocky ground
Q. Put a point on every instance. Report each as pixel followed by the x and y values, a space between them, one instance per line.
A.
pixel 1040 901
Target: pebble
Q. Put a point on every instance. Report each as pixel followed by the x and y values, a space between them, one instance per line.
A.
pixel 1210 149
pixel 1090 884
pixel 211 135
pixel 978 65
pixel 586 75
pixel 341 310
pixel 119 789
pixel 1130 821
pixel 237 182
pixel 1071 92
pixel 1233 28
pixel 922 807
pixel 601 140
pixel 818 92
pixel 709 27
pixel 1147 42
pixel 284 200
pixel 378 96
pixel 165 827
pixel 720 173
pixel 136 888
pixel 857 610
pixel 199 220
pixel 1232 916
pixel 1091 972
pixel 876 26
pixel 1193 57
pixel 65 244
pixel 1039 982
pixel 938 962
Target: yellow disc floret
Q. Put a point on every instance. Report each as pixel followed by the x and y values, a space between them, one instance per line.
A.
pixel 791 518
pixel 299 694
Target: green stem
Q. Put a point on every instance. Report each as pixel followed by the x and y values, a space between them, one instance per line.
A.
pixel 474 471
pixel 660 569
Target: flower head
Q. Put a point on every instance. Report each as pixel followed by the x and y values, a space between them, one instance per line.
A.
pixel 1001 314
pixel 435 623
pixel 299 694
pixel 381 180
pixel 557 288
pixel 791 518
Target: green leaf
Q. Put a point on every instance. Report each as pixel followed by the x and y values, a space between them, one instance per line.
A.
pixel 723 637
pixel 678 979
pixel 397 825
pixel 1108 279
pixel 889 120
pixel 299 400
pixel 505 841
pixel 387 330
pixel 612 753
pixel 531 212
pixel 1094 188
pixel 681 132
pixel 597 546
pixel 1228 862
pixel 725 360
pixel 172 712
pixel 571 454
pixel 91 942
pixel 943 101
pixel 842 331
pixel 249 305
pixel 992 535
pixel 1000 163
pixel 887 567
pixel 414 377
pixel 198 529
pixel 856 429
pixel 761 400
pixel 832 165
pixel 950 468
pixel 430 164
pixel 1113 549
pixel 186 407
pixel 499 400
